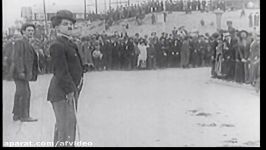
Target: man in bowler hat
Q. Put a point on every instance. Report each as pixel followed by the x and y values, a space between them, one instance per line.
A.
pixel 25 70
pixel 67 79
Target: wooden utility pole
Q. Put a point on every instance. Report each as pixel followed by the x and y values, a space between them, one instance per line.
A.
pixel 110 5
pixel 85 15
pixel 128 2
pixel 45 19
pixel 96 11
pixel 105 6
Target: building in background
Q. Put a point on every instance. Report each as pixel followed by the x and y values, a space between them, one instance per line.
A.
pixel 26 13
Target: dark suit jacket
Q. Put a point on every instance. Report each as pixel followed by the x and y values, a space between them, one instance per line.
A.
pixel 25 60
pixel 68 69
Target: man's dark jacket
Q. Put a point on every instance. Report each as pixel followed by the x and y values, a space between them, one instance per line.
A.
pixel 25 60
pixel 68 69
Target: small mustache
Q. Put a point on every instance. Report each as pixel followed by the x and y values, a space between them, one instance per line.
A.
pixel 69 28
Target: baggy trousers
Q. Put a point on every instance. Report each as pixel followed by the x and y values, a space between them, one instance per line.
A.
pixel 65 126
pixel 21 107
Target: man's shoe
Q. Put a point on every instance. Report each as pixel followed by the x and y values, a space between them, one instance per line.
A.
pixel 16 118
pixel 29 119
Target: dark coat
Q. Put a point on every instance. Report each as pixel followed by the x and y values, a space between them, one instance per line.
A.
pixel 115 50
pixel 68 69
pixel 25 60
pixel 86 53
pixel 230 53
pixel 129 49
pixel 254 51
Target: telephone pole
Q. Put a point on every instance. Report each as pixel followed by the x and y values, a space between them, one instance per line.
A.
pixel 105 6
pixel 45 19
pixel 96 7
pixel 85 15
pixel 110 5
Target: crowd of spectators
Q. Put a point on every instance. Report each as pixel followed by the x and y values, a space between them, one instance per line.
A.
pixel 233 55
pixel 140 10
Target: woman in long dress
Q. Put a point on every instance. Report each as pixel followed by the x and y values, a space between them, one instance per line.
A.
pixel 142 56
pixel 185 53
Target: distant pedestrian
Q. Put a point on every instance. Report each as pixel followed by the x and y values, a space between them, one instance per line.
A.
pixel 256 19
pixel 153 21
pixel 250 18
pixel 242 13
pixel 164 17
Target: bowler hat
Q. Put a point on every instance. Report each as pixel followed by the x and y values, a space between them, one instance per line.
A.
pixel 242 31
pixel 25 25
pixel 64 14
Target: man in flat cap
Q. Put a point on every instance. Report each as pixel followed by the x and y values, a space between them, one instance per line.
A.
pixel 25 70
pixel 66 82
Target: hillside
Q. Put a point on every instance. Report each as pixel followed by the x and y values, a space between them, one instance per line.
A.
pixel 190 21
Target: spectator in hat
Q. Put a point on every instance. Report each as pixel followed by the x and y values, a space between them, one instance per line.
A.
pixel 219 58
pixel 242 54
pixel 116 55
pixel 129 53
pixel 254 59
pixel 176 48
pixel 213 45
pixel 193 46
pixel 229 50
pixel 25 70
pixel 151 55
pixel 185 53
pixel 86 50
pixel 163 50
pixel 97 56
pixel 67 79
pixel 143 55
pixel 109 48
pixel 202 51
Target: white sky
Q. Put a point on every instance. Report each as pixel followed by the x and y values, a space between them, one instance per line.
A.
pixel 12 8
